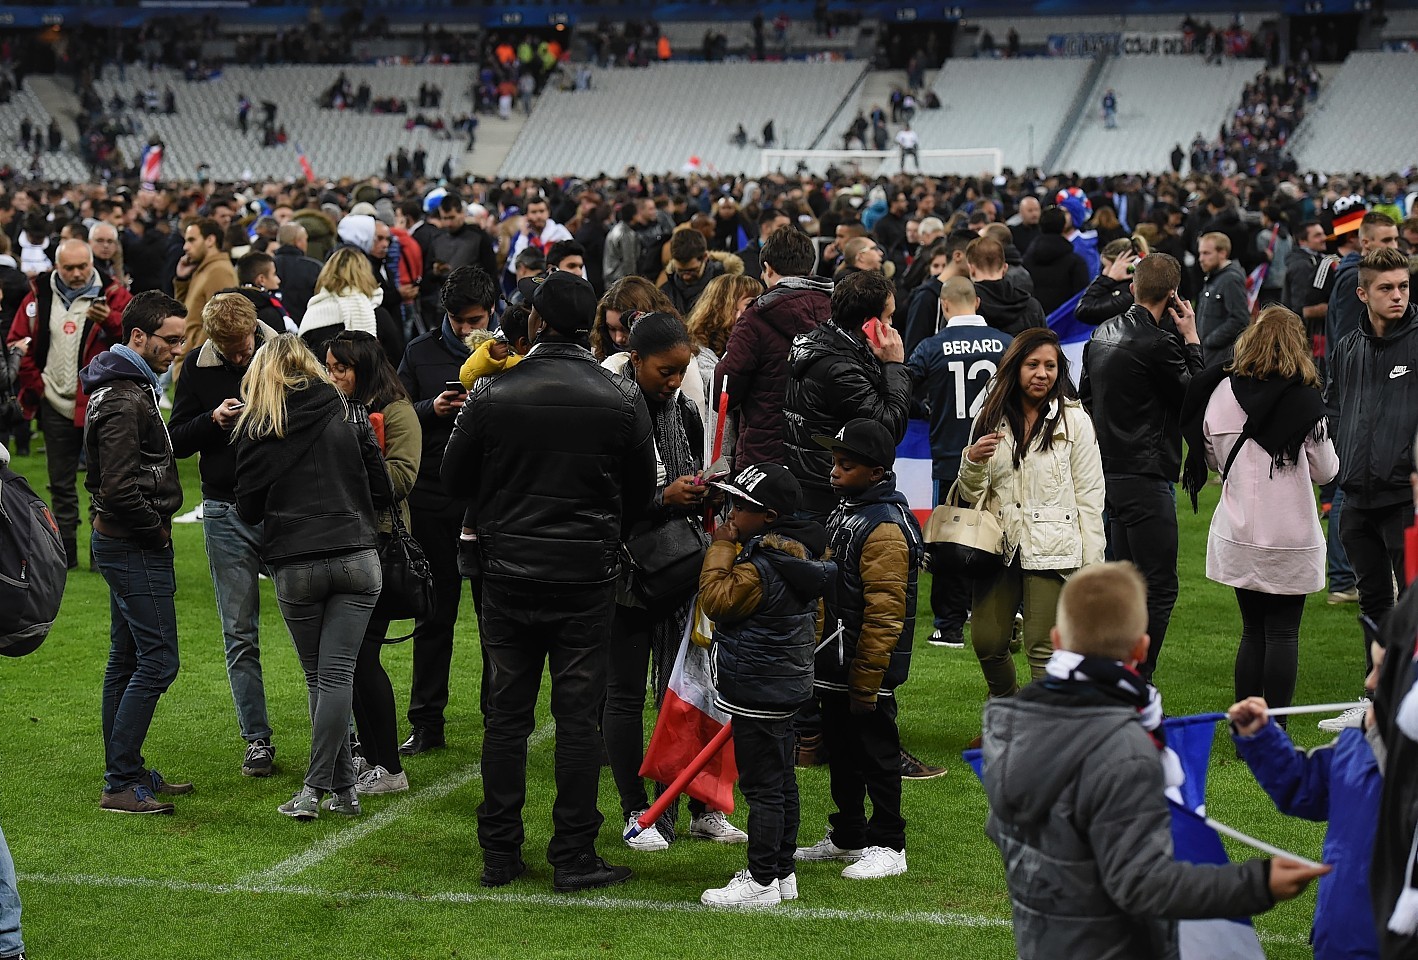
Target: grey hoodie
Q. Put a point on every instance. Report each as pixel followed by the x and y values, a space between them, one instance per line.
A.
pixel 1076 807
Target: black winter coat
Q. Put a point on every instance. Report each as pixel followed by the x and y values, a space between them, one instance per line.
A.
pixel 1057 270
pixel 1222 311
pixel 1398 814
pixel 319 485
pixel 1104 299
pixel 1373 403
pixel 1135 376
pixel 834 378
pixel 429 363
pixel 922 314
pixel 299 275
pixel 132 474
pixel 559 455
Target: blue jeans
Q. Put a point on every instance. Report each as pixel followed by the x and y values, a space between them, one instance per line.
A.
pixel 326 603
pixel 233 555
pixel 10 940
pixel 1341 574
pixel 142 656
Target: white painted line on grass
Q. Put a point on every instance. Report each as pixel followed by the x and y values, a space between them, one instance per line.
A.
pixel 328 846
pixel 789 912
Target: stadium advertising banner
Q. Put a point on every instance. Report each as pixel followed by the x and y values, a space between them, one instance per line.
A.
pixel 1120 44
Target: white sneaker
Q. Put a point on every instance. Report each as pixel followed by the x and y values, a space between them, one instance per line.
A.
pixel 380 780
pixel 191 516
pixel 743 893
pixel 788 887
pixel 713 825
pixel 877 862
pixel 825 849
pixel 1353 717
pixel 646 840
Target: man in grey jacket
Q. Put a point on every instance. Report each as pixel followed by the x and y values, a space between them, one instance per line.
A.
pixel 1222 311
pixel 622 245
pixel 1075 785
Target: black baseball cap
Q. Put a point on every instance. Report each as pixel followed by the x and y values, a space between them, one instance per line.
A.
pixel 564 301
pixel 768 485
pixel 864 440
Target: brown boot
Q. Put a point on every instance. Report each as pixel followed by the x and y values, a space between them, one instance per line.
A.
pixel 809 750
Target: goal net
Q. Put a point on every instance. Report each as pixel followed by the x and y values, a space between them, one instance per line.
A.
pixel 964 162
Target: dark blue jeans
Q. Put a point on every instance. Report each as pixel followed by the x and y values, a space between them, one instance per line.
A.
pixel 764 751
pixel 142 656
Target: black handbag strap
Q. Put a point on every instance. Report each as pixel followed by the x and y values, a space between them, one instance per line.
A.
pixel 1235 450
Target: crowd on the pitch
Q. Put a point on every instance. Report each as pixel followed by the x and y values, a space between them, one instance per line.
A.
pixel 518 384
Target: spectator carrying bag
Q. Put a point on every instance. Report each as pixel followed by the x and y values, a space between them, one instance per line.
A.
pixel 964 540
pixel 32 565
pixel 408 582
pixel 664 562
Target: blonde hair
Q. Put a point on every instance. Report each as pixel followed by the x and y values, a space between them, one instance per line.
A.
pixel 1103 610
pixel 346 270
pixel 282 366
pixel 714 313
pixel 1275 345
pixel 228 319
pixel 1220 241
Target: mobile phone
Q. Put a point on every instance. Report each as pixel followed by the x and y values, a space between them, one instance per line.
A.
pixel 872 330
pixel 455 385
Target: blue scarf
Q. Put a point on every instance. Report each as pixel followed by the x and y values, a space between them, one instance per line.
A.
pixel 454 342
pixel 132 356
pixel 92 289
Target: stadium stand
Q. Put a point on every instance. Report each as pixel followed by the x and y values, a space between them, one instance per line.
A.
pixel 1372 91
pixel 64 165
pixel 687 37
pixel 699 107
pixel 994 103
pixel 204 129
pixel 1152 117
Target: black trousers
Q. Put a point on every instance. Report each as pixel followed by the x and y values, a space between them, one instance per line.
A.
pixel 376 717
pixel 1269 655
pixel 1142 512
pixel 863 760
pixel 523 632
pixel 763 750
pixel 63 443
pixel 1373 540
pixel 437 532
pixel 951 593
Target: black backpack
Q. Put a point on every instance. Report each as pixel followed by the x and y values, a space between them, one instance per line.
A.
pixel 32 566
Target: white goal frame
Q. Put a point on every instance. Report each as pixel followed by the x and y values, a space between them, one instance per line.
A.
pixel 873 162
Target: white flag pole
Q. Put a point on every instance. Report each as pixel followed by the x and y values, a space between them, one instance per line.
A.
pixel 1313 708
pixel 1260 845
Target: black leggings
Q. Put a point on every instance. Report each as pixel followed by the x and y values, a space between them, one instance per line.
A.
pixel 374 713
pixel 1269 655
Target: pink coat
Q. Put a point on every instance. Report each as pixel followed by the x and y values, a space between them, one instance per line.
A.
pixel 1265 533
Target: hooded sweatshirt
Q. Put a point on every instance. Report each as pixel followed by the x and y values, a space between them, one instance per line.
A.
pixel 1008 308
pixel 358 231
pixel 1057 270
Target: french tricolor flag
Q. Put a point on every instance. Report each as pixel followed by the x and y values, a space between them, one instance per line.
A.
pixel 150 168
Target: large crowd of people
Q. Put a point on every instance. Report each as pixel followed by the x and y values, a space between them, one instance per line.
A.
pixel 516 384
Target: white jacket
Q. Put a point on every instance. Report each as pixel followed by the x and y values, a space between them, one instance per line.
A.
pixel 1051 508
pixel 350 310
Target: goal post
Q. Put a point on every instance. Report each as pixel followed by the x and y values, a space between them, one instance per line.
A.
pixel 967 161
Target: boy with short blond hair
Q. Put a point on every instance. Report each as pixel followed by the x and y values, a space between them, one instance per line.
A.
pixel 1075 782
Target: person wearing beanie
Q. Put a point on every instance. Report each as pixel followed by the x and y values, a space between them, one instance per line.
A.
pixel 575 444
pixel 1085 242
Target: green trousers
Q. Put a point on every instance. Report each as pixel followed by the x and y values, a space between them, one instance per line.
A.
pixel 992 623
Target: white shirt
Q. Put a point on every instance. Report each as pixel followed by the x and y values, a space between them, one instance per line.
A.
pixel 908 139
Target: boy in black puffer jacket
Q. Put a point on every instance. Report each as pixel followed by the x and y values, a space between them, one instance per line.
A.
pixel 876 542
pixel 766 605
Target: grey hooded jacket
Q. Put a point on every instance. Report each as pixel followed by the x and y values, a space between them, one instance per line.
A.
pixel 1077 809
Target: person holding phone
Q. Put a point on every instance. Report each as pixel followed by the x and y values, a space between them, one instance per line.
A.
pixel 1135 377
pixel 429 372
pixel 1110 293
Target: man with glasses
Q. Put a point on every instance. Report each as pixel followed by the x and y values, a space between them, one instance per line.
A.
pixel 689 271
pixel 73 314
pixel 133 482
pixel 203 415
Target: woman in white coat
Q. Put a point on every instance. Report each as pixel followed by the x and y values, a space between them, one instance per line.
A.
pixel 1035 464
pixel 1265 431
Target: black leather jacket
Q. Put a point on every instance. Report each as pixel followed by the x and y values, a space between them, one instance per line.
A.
pixel 559 455
pixel 1135 375
pixel 835 378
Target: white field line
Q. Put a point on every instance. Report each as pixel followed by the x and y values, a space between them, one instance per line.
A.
pixel 327 846
pixel 573 901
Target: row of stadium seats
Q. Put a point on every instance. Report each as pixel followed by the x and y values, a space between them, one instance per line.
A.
pixel 64 165
pixel 1372 92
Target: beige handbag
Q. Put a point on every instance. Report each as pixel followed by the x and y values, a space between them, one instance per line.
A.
pixel 967 541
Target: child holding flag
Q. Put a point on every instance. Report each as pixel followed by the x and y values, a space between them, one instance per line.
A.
pixel 1341 783
pixel 766 607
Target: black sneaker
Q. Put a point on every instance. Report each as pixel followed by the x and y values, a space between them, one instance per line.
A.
pixel 260 760
pixel 501 869
pixel 159 785
pixel 954 641
pixel 422 740
pixel 588 872
pixel 135 799
pixel 914 768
